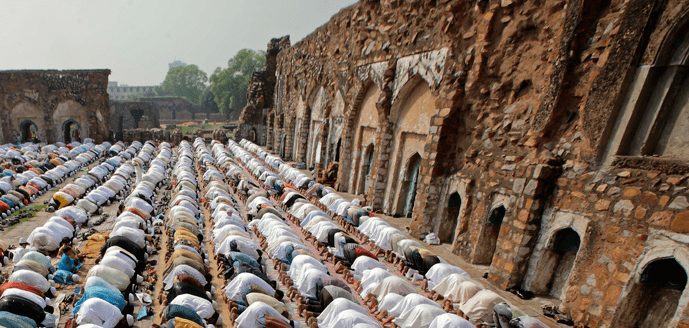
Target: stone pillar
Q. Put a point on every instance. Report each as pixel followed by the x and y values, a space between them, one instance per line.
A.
pixel 289 139
pixel 269 131
pixel 381 167
pixel 345 164
pixel 519 234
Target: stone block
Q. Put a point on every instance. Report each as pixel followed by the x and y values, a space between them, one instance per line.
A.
pixel 679 203
pixel 681 222
pixel 518 185
pixel 602 205
pixel 624 207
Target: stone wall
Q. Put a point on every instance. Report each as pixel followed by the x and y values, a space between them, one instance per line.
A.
pixel 173 110
pixel 52 105
pixel 558 126
pixel 253 119
pixel 133 114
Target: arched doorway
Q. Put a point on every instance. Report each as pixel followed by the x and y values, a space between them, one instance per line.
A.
pixel 556 263
pixel 337 150
pixel 252 135
pixel 405 205
pixel 490 234
pixel 653 299
pixel 446 230
pixel 28 131
pixel 365 172
pixel 71 131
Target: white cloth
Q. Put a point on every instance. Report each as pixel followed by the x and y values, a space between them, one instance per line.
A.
pixel 328 317
pixel 371 279
pixel 183 269
pixel 113 276
pixel 390 301
pixel 98 312
pixel 113 261
pixel 200 305
pixel 450 320
pixel 393 284
pixel 364 263
pixel 245 283
pixel 352 318
pixel 456 289
pixel 480 306
pixel 419 316
pixel 439 271
pixel 255 316
pixel 31 278
pixel 408 303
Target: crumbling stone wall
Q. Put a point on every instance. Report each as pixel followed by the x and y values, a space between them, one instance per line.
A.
pixel 133 115
pixel 254 118
pixel 173 110
pixel 532 107
pixel 52 101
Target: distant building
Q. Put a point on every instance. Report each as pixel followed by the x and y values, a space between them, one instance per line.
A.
pixel 125 92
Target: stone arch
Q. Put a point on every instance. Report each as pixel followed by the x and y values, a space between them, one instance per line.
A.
pixel 654 115
pixel 71 130
pixel 408 186
pixel 28 131
pixel 70 111
pixel 556 263
pixel 490 232
pixel 551 266
pixel 411 118
pixel 28 112
pixel 364 174
pixel 656 295
pixel 365 128
pixel 448 225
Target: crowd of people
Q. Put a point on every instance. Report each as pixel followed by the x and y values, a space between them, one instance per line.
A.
pixel 414 288
pixel 286 250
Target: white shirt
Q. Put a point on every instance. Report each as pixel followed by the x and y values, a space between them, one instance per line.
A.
pixel 113 276
pixel 19 253
pixel 200 305
pixel 31 278
pixel 255 316
pixel 113 261
pixel 98 312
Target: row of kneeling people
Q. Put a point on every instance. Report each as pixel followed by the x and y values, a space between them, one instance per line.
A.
pixel 26 298
pixel 108 299
pixel 254 297
pixel 28 172
pixel 187 280
pixel 91 190
pixel 382 288
pixel 322 298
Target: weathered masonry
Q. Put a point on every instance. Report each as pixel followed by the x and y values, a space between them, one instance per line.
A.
pixel 546 139
pixel 51 105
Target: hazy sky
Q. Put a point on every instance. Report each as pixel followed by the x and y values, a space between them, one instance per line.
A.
pixel 136 39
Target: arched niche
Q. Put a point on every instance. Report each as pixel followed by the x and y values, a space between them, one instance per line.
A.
pixel 70 111
pixel 23 116
pixel 365 129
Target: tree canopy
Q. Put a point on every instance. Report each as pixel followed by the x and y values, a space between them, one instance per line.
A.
pixel 187 81
pixel 229 84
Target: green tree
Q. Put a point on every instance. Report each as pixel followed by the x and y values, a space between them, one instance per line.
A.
pixel 186 81
pixel 208 101
pixel 229 84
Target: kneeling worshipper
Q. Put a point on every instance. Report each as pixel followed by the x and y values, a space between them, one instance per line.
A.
pixel 479 308
pixel 101 313
pixel 260 315
pixel 450 320
pixel 243 284
pixel 343 313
